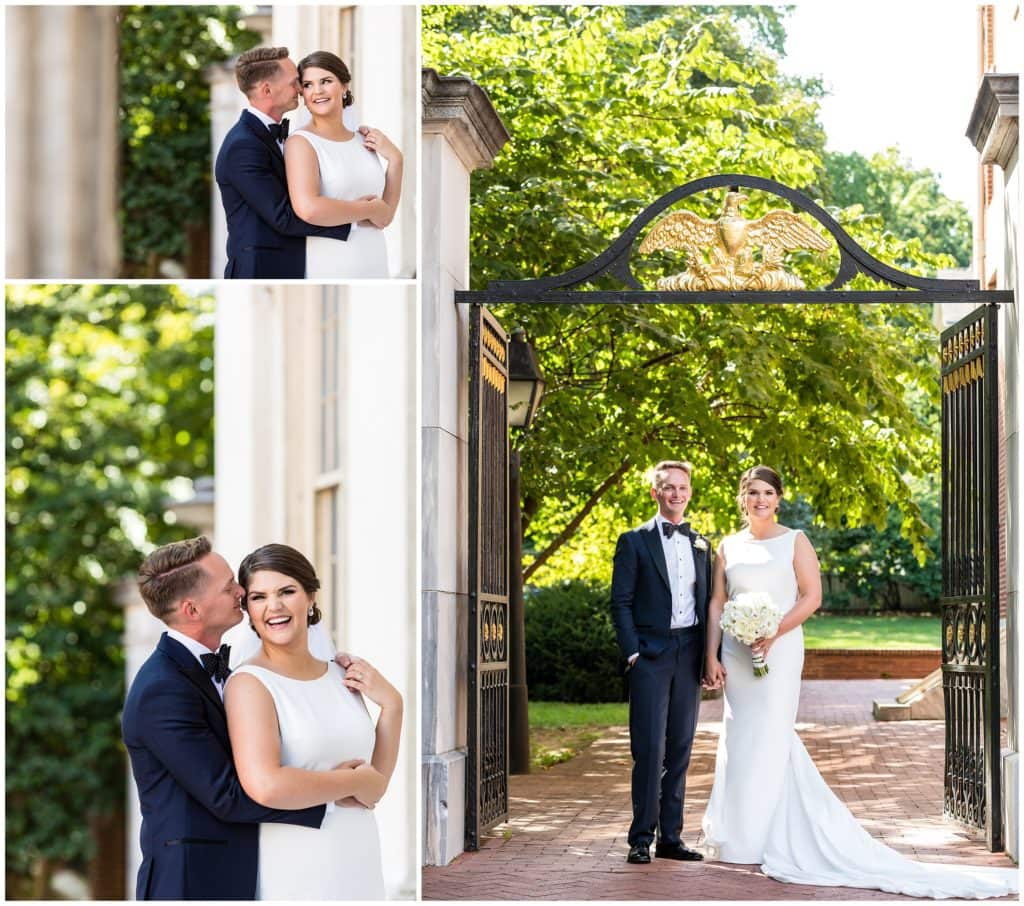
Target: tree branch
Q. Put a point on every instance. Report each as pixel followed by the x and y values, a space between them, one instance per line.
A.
pixel 576 520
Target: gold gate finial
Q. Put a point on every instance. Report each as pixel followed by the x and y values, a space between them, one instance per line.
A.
pixel 730 242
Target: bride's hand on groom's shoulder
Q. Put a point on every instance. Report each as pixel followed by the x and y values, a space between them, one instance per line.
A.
pixel 361 676
pixel 375 140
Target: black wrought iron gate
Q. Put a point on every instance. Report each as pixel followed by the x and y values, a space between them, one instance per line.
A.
pixel 970 558
pixel 487 725
pixel 970 573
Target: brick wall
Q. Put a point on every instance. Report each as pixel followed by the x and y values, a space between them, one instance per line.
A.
pixel 841 663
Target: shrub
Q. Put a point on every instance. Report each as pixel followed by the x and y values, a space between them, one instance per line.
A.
pixel 571 652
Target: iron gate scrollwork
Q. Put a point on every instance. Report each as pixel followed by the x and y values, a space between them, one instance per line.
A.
pixel 970 573
pixel 487 726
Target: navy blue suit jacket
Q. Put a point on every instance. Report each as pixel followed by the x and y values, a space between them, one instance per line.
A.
pixel 200 831
pixel 642 595
pixel 266 238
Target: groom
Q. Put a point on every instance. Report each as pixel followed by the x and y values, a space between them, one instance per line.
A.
pixel 200 831
pixel 661 582
pixel 266 239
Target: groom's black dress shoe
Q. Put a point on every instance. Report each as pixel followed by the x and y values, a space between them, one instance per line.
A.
pixel 639 854
pixel 677 851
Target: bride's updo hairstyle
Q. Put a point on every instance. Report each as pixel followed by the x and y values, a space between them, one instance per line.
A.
pixel 758 473
pixel 280 558
pixel 324 59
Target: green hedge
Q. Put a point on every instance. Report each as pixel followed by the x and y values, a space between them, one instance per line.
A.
pixel 571 652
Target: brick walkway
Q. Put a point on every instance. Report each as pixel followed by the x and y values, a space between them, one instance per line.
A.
pixel 566 839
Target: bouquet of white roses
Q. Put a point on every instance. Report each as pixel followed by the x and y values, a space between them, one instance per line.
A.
pixel 749 616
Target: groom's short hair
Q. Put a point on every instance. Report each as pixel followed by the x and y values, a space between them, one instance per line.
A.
pixel 258 65
pixel 172 572
pixel 657 473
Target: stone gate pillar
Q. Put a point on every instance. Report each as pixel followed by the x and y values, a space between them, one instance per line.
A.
pixel 994 130
pixel 461 133
pixel 62 154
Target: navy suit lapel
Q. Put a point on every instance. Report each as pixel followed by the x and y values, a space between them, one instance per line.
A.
pixel 187 664
pixel 649 530
pixel 701 585
pixel 263 134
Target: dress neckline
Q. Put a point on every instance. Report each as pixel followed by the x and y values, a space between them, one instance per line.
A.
pixel 333 141
pixel 293 679
pixel 750 536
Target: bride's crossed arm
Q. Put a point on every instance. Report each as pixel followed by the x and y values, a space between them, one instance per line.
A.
pixel 361 676
pixel 377 141
pixel 256 744
pixel 303 173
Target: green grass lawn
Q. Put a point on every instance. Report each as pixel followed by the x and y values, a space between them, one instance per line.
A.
pixel 559 731
pixel 882 631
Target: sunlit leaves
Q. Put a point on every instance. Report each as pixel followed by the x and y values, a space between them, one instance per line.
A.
pixel 94 441
pixel 609 108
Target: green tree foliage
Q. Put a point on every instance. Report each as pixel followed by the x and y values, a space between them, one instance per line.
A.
pixel 109 400
pixel 166 161
pixel 870 569
pixel 908 202
pixel 610 108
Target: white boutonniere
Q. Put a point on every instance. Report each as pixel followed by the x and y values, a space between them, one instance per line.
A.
pixel 700 543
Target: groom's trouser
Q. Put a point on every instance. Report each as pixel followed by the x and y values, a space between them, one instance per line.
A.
pixel 664 700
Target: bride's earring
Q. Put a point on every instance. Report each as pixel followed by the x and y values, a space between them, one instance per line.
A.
pixel 310 612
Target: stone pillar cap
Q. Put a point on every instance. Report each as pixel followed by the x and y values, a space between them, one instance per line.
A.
pixel 994 125
pixel 460 110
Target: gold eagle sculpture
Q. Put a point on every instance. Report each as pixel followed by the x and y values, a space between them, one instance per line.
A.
pixel 730 242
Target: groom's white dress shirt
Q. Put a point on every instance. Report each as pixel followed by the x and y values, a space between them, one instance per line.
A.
pixel 198 649
pixel 682 575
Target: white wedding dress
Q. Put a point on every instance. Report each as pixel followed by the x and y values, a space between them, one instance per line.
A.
pixel 322 723
pixel 769 805
pixel 348 171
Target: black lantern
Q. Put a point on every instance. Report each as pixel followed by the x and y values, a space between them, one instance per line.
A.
pixel 525 382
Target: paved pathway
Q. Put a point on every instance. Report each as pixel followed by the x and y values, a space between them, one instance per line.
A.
pixel 566 839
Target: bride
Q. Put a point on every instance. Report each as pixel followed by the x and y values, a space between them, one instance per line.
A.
pixel 289 709
pixel 769 805
pixel 328 160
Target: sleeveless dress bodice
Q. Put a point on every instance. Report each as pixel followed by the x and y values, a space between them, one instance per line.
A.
pixel 322 723
pixel 348 171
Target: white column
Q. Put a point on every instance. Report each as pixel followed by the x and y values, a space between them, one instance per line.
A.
pixel 384 72
pixel 378 530
pixel 461 133
pixel 249 402
pixel 62 161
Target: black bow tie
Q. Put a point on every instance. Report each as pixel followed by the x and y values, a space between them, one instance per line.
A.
pixel 216 664
pixel 668 529
pixel 279 131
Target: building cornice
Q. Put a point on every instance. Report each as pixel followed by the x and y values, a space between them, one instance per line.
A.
pixel 994 125
pixel 460 110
